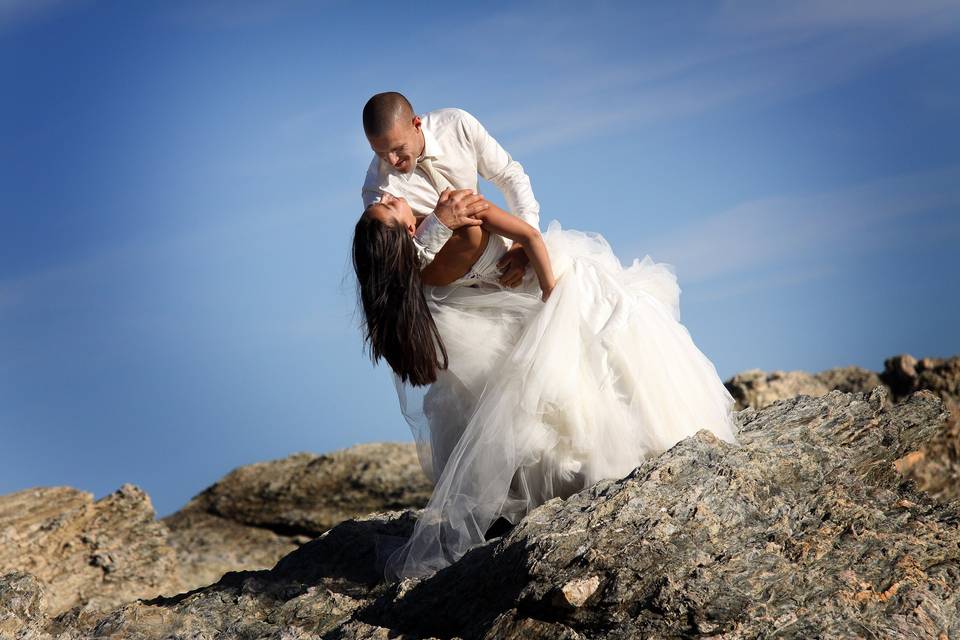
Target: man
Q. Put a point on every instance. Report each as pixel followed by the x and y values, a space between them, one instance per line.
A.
pixel 433 162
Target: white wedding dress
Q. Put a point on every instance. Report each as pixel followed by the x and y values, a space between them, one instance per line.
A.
pixel 545 399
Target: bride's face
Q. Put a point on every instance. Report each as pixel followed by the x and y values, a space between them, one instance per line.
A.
pixel 393 211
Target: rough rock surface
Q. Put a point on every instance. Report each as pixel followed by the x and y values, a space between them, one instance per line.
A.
pixel 96 554
pixel 258 513
pixel 209 546
pixel 805 529
pixel 902 375
pixel 759 389
pixel 309 493
pixel 849 379
pixel 23 604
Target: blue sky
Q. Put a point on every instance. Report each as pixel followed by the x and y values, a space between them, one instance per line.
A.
pixel 179 180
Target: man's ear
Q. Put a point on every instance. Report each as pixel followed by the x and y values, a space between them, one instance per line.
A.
pixel 416 122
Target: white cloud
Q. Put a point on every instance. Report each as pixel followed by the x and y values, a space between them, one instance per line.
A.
pixel 749 54
pixel 744 17
pixel 15 12
pixel 232 14
pixel 773 232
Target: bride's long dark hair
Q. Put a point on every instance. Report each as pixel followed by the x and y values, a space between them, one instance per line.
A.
pixel 398 326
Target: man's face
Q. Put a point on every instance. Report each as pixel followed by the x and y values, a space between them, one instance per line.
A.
pixel 401 146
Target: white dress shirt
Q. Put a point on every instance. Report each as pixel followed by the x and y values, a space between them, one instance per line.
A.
pixel 459 148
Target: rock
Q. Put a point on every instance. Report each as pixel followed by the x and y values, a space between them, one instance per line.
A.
pixel 935 467
pixel 258 513
pixel 307 493
pixel 758 389
pixel 575 593
pixel 902 375
pixel 92 554
pixel 905 375
pixel 209 546
pixel 806 528
pixel 900 372
pixel 849 379
pixel 23 604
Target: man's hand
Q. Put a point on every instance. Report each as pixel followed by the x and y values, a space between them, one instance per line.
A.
pixel 455 208
pixel 514 262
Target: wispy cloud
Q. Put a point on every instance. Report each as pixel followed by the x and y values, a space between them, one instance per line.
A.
pixel 16 12
pixel 831 14
pixel 756 283
pixel 749 54
pixel 232 14
pixel 771 233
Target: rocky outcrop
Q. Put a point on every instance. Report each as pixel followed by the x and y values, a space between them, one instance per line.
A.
pixel 95 554
pixel 935 467
pixel 849 379
pixel 759 389
pixel 901 375
pixel 805 528
pixel 307 493
pixel 208 546
pixel 904 374
pixel 23 605
pixel 66 550
pixel 258 513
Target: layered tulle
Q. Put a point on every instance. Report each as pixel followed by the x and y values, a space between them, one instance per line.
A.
pixel 544 399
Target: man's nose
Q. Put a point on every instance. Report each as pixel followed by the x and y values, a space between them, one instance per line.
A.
pixel 393 158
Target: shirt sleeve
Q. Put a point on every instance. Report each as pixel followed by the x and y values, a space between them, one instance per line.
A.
pixel 370 192
pixel 496 165
pixel 430 236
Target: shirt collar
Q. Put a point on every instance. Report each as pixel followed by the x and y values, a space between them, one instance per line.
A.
pixel 431 148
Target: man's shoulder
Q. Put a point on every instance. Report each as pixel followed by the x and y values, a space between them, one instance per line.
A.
pixel 373 181
pixel 374 171
pixel 447 117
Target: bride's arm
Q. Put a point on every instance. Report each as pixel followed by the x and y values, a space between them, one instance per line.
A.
pixel 499 221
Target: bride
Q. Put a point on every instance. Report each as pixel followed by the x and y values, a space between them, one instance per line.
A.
pixel 516 396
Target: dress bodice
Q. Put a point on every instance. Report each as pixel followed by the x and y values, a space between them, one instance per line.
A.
pixel 485 268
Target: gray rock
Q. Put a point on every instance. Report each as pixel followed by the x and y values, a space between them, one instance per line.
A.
pixel 759 389
pixel 258 513
pixel 804 529
pixel 23 604
pixel 308 493
pixel 92 554
pixel 902 375
pixel 849 379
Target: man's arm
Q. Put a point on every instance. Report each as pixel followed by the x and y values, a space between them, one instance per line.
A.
pixel 496 165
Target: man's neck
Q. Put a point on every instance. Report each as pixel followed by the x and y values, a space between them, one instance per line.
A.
pixel 423 145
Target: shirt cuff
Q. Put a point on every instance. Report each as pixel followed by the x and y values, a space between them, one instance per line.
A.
pixel 430 236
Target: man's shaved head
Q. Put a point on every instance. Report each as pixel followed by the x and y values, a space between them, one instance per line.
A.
pixel 393 130
pixel 384 110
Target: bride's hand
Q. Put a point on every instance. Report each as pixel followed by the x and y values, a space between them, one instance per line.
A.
pixel 546 293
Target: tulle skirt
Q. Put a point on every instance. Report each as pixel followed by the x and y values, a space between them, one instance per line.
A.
pixel 545 399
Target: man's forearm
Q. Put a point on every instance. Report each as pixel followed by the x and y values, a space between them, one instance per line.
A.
pixel 516 189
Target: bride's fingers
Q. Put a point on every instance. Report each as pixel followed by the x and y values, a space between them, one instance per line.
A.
pixel 512 277
pixel 477 207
